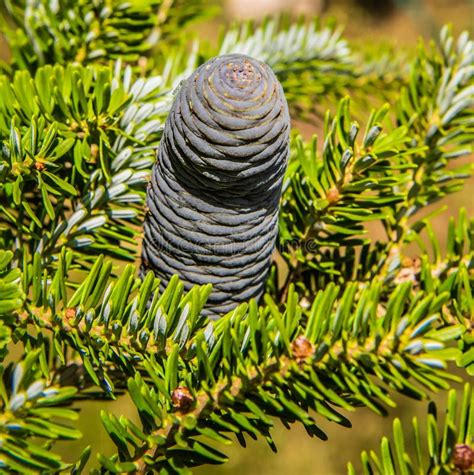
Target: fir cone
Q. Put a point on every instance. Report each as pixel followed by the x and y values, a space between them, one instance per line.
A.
pixel 215 188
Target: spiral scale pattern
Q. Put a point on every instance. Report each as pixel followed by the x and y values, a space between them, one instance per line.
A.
pixel 215 188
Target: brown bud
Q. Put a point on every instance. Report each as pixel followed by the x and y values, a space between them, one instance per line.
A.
pixel 40 166
pixel 302 349
pixel 463 457
pixel 409 271
pixel 332 195
pixel 143 64
pixel 70 313
pixel 182 399
pixel 407 262
pixel 94 150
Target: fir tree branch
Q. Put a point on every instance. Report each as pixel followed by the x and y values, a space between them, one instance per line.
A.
pixel 385 176
pixel 42 31
pixel 328 196
pixel 33 417
pixel 288 47
pixel 84 32
pixel 179 413
pixel 445 449
pixel 75 163
pixel 437 108
pixel 315 64
pixel 341 353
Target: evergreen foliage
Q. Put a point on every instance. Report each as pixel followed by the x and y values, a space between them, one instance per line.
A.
pixel 347 321
pixel 446 451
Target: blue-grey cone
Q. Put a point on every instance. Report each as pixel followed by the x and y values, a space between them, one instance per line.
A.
pixel 215 189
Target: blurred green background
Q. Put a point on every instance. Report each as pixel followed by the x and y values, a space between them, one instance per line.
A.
pixel 400 22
